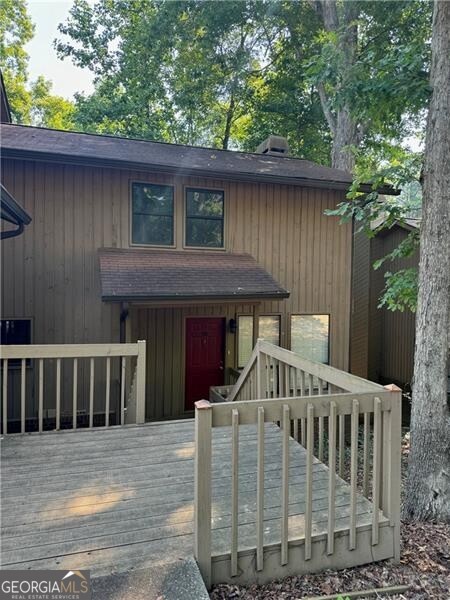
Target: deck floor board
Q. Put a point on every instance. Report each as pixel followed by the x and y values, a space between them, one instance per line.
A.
pixel 109 500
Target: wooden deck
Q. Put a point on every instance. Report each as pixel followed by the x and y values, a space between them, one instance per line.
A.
pixel 122 498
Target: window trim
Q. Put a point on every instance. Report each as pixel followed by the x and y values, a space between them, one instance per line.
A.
pixel 185 217
pixel 130 215
pixel 311 314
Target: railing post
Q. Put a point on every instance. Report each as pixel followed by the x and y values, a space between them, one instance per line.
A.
pixel 391 464
pixel 140 382
pixel 202 489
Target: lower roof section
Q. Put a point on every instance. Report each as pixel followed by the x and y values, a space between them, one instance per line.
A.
pixel 166 275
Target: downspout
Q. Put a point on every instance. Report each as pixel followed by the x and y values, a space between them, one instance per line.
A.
pixel 124 313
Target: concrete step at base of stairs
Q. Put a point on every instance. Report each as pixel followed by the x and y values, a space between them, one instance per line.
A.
pixel 175 580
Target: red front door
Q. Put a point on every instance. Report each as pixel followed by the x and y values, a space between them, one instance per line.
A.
pixel 205 345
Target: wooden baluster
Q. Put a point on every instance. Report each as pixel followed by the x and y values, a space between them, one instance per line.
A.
pixel 122 392
pixel 22 394
pixel 260 493
pixel 309 480
pixel 303 420
pixel 41 396
pixel 108 390
pixel 341 445
pixel 293 393
pixel 234 490
pixel 75 393
pixel 366 456
pixel 274 378
pixel 91 392
pixel 376 476
pixel 353 473
pixel 310 384
pixel 321 437
pixel 5 396
pixel 302 383
pixel 287 380
pixel 285 486
pixel 58 394
pixel 331 477
pixel 267 364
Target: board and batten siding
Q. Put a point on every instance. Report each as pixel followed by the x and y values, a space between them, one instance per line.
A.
pixel 50 273
pixel 382 341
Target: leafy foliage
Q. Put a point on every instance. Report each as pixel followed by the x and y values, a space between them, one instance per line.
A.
pixel 31 104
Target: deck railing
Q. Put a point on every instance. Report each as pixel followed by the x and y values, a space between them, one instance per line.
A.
pixel 55 380
pixel 325 417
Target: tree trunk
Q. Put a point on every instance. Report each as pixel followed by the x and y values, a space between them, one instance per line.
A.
pixel 428 489
pixel 228 122
pixel 343 126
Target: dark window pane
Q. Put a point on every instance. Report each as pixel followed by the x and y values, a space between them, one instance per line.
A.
pixel 152 221
pixel 156 230
pixel 204 232
pixel 152 199
pixel 15 331
pixel 204 203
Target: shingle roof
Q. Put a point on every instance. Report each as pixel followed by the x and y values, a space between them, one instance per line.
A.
pixel 138 274
pixel 82 148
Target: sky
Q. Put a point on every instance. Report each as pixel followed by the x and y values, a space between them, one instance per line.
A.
pixel 67 79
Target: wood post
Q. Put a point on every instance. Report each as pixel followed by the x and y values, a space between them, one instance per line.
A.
pixel 140 382
pixel 391 462
pixel 202 488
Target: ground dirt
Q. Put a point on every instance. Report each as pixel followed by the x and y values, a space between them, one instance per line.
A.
pixel 424 566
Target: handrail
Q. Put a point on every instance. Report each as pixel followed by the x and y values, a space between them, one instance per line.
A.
pixel 23 378
pixel 381 410
pixel 268 356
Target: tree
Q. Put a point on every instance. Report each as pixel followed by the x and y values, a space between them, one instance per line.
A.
pixel 177 71
pixel 371 72
pixel 31 104
pixel 428 489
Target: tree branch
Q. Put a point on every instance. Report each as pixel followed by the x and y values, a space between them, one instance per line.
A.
pixel 326 108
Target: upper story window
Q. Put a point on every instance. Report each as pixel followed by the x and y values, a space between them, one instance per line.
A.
pixel 204 218
pixel 152 214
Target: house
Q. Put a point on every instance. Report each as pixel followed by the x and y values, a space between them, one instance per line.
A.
pixel 198 251
pixel 382 341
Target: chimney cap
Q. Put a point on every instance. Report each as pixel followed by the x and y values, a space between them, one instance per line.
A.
pixel 274 145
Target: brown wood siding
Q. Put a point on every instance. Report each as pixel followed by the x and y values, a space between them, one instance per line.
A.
pixel 359 338
pixel 382 341
pixel 396 335
pixel 50 273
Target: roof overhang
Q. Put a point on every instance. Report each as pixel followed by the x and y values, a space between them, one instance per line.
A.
pixel 12 213
pixel 95 150
pixel 173 277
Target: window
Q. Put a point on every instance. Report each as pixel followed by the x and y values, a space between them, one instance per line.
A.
pixel 204 218
pixel 310 336
pixel 152 214
pixel 245 339
pixel 269 331
pixel 15 332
